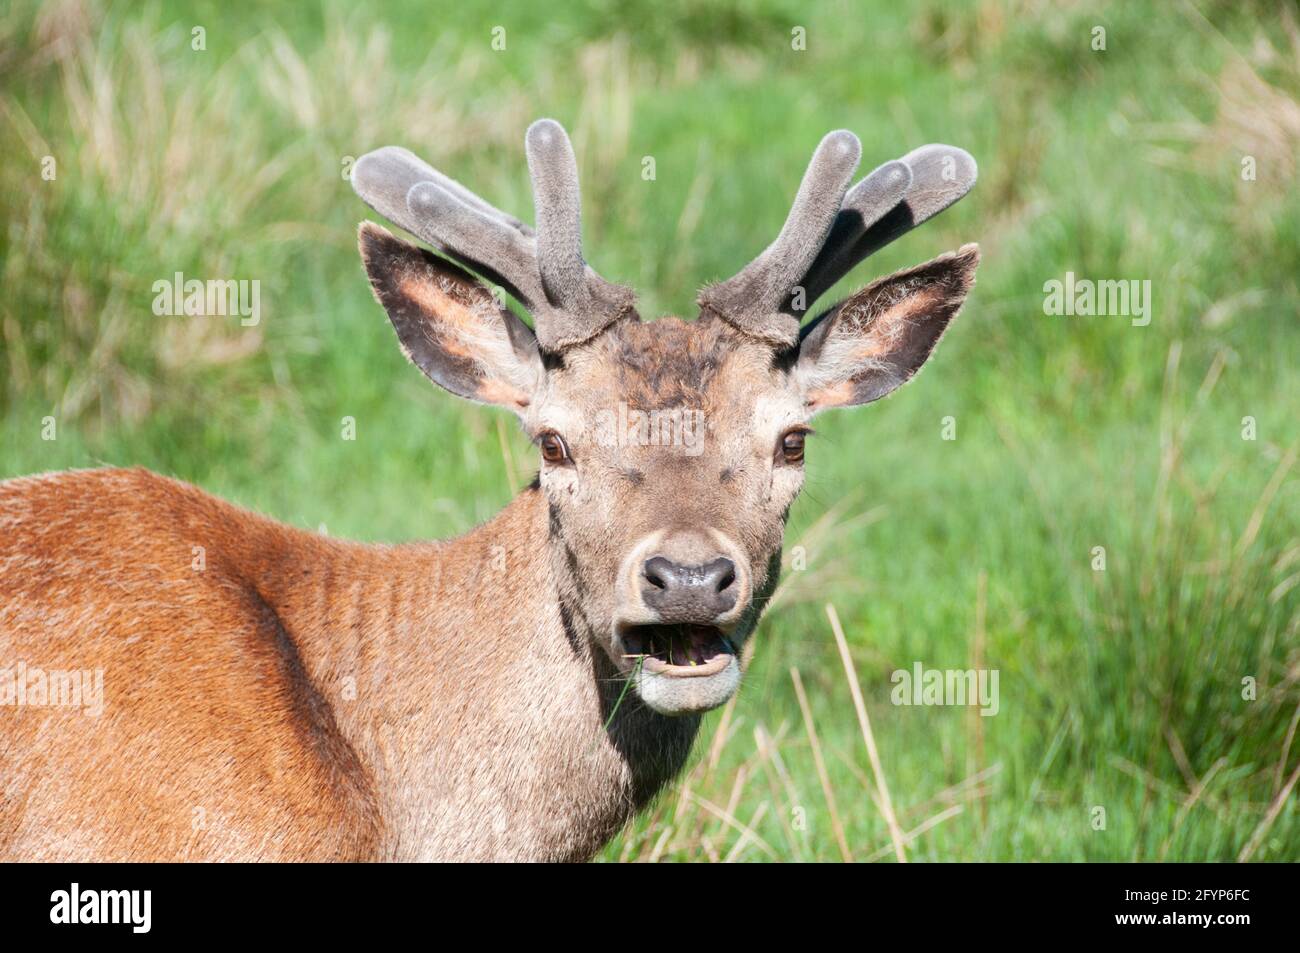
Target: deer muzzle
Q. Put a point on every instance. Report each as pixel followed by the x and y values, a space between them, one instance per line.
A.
pixel 681 598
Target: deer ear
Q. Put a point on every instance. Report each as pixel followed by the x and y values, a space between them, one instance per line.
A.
pixel 872 342
pixel 450 325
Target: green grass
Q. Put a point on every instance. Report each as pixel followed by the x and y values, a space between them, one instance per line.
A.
pixel 1119 689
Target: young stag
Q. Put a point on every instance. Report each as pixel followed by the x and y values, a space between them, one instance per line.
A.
pixel 516 693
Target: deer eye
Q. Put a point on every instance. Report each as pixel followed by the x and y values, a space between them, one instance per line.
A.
pixel 792 442
pixel 553 448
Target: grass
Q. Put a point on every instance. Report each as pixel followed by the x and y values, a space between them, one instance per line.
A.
pixel 1122 732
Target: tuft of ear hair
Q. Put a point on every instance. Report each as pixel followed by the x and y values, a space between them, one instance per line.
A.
pixel 876 340
pixel 449 325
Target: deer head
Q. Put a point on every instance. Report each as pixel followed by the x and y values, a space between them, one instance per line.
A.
pixel 670 452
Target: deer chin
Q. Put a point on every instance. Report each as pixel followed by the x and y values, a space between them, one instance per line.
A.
pixel 680 668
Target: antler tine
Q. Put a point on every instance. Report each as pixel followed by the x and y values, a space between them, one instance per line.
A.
pixel 754 298
pixel 864 205
pixel 384 177
pixel 505 255
pixel 438 209
pixel 558 206
pixel 581 303
pixel 545 270
pixel 938 175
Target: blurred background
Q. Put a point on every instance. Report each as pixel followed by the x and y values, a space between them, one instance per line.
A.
pixel 1147 710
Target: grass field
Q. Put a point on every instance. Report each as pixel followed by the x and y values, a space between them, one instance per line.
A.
pixel 1147 711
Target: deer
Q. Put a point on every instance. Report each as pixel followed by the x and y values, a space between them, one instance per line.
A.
pixel 517 693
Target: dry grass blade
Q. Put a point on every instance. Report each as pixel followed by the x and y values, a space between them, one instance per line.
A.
pixel 1197 790
pixel 1180 757
pixel 737 790
pixel 720 738
pixel 1286 749
pixel 709 765
pixel 1255 117
pixel 743 841
pixel 855 688
pixel 968 789
pixel 1157 786
pixel 661 845
pixel 1266 499
pixel 725 816
pixel 917 831
pixel 820 763
pixel 770 761
pixel 1270 816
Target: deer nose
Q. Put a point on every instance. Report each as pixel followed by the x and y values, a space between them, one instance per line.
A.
pixel 689 593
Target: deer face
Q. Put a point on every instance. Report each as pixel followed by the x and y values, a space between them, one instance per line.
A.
pixel 669 497
pixel 669 452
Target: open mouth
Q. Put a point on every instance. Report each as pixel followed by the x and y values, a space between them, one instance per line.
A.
pixel 683 651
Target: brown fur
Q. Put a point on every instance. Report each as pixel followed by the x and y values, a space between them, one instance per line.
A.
pixel 271 694
pixel 227 732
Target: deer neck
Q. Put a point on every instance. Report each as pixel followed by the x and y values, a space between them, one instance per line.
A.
pixel 465 677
